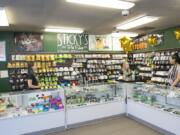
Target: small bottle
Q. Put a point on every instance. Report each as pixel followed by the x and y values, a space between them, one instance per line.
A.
pixel 133 75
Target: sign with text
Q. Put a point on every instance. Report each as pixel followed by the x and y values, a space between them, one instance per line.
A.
pixel 72 42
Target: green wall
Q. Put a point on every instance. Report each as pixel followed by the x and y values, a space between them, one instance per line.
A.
pixel 50 45
pixel 169 40
pixel 50 42
pixel 8 37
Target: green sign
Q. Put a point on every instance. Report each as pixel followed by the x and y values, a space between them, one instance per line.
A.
pixel 72 42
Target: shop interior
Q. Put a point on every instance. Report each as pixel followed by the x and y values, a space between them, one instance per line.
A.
pixel 89 67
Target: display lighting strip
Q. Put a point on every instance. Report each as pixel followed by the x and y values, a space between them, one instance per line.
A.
pixel 63 30
pixel 3 17
pixel 117 4
pixel 137 22
pixel 122 34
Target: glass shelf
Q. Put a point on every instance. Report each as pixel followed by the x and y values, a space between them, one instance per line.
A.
pixel 19 104
pixel 93 95
pixel 161 97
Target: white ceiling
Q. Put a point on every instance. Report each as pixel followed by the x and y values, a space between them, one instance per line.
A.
pixel 34 15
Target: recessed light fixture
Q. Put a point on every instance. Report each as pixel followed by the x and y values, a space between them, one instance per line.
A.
pixel 117 4
pixel 137 22
pixel 63 30
pixel 122 34
pixel 3 17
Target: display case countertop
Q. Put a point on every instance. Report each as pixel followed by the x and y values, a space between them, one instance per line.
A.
pixel 163 98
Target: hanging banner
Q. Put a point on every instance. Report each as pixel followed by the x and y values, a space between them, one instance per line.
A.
pixel 72 42
pixel 2 51
pixel 28 42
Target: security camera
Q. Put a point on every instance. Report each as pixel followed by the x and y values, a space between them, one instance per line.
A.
pixel 125 12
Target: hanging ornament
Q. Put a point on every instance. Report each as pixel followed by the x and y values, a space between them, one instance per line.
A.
pixel 126 44
pixel 125 41
pixel 153 40
pixel 177 34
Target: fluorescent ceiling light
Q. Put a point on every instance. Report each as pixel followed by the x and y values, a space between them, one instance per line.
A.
pixel 137 22
pixel 63 30
pixel 3 17
pixel 122 34
pixel 117 4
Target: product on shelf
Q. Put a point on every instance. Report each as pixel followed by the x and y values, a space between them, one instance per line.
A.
pixel 177 112
pixel 81 96
pixel 43 102
pixel 161 73
pixel 157 96
pixel 2 105
pixel 168 109
pixel 119 56
pixel 56 103
pixel 152 66
pixel 54 70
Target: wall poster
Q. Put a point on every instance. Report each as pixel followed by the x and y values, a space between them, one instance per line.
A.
pixel 104 43
pixel 2 51
pixel 28 42
pixel 100 43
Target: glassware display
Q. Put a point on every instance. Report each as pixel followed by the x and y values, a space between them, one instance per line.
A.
pixel 161 97
pixel 10 105
pixel 18 104
pixel 43 101
pixel 89 95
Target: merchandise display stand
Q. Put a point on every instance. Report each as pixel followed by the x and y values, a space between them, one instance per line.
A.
pixel 159 120
pixel 32 123
pixel 126 100
pixel 72 114
pixel 151 106
pixel 21 122
pixel 110 102
pixel 94 112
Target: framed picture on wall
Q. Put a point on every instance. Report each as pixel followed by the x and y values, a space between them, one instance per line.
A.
pixel 2 51
pixel 28 42
pixel 100 43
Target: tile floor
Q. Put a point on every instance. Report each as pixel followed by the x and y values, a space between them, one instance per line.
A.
pixel 118 126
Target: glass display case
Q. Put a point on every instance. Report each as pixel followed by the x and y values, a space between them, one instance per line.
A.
pixel 18 104
pixel 93 94
pixel 160 97
pixel 9 105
